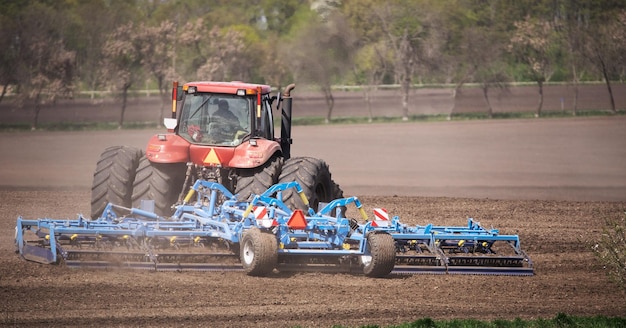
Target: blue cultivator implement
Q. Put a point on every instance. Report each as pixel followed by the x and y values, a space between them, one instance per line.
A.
pixel 212 230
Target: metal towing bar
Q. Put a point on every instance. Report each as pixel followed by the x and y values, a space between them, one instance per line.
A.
pixel 212 230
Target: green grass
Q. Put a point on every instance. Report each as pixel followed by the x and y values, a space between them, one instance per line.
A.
pixel 561 320
pixel 302 121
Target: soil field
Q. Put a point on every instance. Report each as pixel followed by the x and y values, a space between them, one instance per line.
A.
pixel 567 278
pixel 551 181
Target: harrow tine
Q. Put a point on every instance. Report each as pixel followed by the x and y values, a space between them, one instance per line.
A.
pixel 175 261
pixel 499 271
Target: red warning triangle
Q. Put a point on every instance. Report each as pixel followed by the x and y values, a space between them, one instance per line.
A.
pixel 297 220
pixel 212 158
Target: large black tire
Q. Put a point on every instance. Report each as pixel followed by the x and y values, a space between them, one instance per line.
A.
pixel 315 179
pixel 162 183
pixel 258 252
pixel 113 178
pixel 257 180
pixel 380 256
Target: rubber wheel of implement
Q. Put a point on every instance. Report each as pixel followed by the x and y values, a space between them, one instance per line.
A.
pixel 380 256
pixel 162 183
pixel 314 177
pixel 113 178
pixel 259 252
pixel 257 180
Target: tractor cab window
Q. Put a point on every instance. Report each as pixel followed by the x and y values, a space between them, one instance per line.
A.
pixel 215 119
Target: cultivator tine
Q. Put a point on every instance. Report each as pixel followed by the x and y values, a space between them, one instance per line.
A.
pixel 166 262
pixel 324 268
pixel 496 271
pixel 474 265
pixel 410 269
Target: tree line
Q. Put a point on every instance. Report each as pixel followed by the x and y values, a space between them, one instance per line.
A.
pixel 53 48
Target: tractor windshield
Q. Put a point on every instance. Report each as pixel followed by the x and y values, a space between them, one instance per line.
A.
pixel 215 119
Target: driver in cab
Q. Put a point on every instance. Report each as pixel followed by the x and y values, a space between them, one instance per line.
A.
pixel 224 125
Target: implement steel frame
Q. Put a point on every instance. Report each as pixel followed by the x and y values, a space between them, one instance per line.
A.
pixel 217 216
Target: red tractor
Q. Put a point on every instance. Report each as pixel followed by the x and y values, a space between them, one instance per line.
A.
pixel 221 132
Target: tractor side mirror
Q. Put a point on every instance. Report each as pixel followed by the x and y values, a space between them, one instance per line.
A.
pixel 170 123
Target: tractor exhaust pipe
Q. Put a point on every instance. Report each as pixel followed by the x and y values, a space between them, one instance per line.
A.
pixel 285 123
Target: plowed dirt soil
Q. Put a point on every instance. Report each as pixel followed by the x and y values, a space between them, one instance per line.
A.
pixel 552 182
pixel 555 234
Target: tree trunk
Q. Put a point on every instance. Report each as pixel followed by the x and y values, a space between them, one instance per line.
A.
pixel 35 123
pixel 576 91
pixel 540 106
pixel 330 102
pixel 406 88
pixel 124 98
pixel 486 96
pixel 4 91
pixel 608 86
pixel 453 107
pixel 605 74
pixel 368 101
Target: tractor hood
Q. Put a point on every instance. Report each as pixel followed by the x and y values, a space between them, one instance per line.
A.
pixel 171 148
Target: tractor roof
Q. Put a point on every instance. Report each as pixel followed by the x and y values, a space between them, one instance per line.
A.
pixel 227 87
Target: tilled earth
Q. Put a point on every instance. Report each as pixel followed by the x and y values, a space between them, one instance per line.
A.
pixel 557 236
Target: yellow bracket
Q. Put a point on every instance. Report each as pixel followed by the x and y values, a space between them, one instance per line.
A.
pixel 189 195
pixel 247 212
pixel 363 214
pixel 303 197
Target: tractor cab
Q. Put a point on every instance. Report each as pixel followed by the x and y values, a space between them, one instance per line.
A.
pixel 225 125
pixel 224 113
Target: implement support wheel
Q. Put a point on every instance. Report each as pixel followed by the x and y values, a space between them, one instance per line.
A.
pixel 380 256
pixel 259 252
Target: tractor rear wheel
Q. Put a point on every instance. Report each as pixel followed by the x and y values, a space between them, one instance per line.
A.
pixel 113 178
pixel 380 256
pixel 259 252
pixel 162 183
pixel 314 177
pixel 257 180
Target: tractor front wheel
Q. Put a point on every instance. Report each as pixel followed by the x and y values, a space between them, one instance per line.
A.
pixel 259 252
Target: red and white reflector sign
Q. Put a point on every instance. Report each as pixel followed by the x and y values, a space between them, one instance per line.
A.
pixel 260 212
pixel 262 217
pixel 381 218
